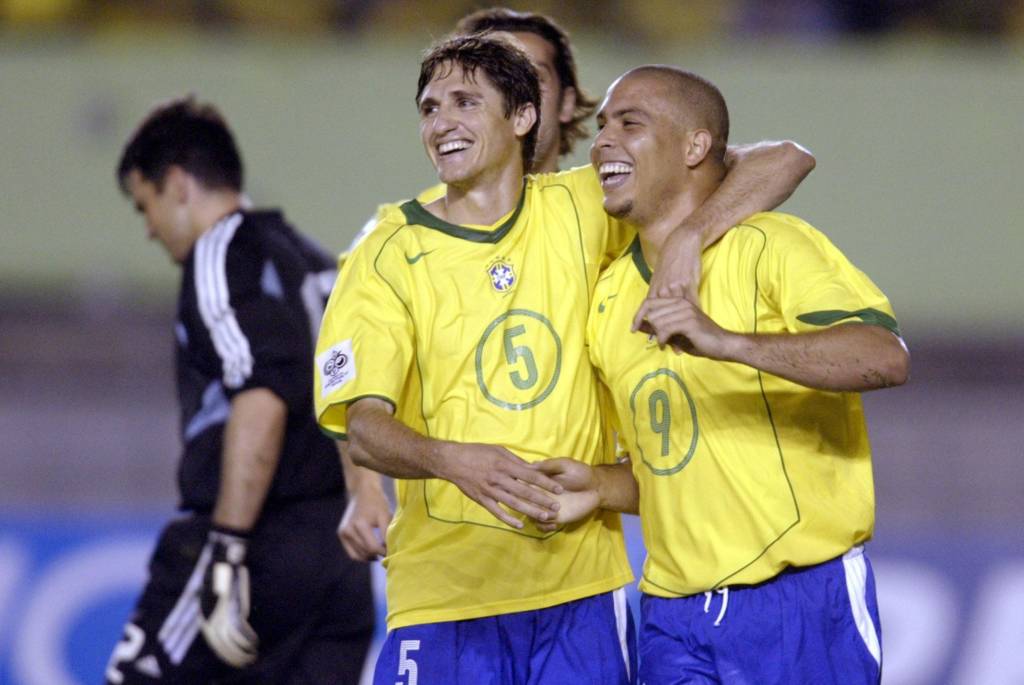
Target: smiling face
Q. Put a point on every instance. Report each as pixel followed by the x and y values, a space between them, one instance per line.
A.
pixel 465 130
pixel 639 148
pixel 165 212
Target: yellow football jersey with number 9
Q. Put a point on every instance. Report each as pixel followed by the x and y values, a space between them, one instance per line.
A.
pixel 741 473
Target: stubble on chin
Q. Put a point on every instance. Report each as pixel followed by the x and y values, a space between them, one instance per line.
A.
pixel 621 211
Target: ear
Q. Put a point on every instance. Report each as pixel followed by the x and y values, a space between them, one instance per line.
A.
pixel 698 145
pixel 177 183
pixel 567 107
pixel 524 119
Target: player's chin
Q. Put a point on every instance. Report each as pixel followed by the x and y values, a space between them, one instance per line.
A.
pixel 618 207
pixel 450 172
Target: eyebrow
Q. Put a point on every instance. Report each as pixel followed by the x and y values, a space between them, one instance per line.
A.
pixel 620 113
pixel 465 94
pixel 634 111
pixel 460 93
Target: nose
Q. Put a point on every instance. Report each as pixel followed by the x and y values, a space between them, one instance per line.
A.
pixel 604 138
pixel 602 141
pixel 443 120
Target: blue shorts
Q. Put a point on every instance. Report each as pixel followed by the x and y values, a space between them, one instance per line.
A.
pixel 817 624
pixel 590 640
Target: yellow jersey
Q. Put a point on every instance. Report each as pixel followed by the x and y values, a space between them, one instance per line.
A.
pixel 476 334
pixel 741 473
pixel 426 197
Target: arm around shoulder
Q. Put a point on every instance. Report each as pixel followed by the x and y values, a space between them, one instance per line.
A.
pixel 759 178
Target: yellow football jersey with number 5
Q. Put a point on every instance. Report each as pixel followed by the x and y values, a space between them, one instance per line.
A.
pixel 479 330
pixel 741 473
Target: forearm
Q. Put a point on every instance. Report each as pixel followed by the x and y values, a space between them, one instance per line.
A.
pixel 380 442
pixel 357 478
pixel 617 488
pixel 252 448
pixel 760 177
pixel 846 358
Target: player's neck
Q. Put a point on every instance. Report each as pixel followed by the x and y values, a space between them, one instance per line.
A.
pixel 546 166
pixel 483 201
pixel 655 228
pixel 213 206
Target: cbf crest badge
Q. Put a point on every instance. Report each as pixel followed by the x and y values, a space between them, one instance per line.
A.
pixel 503 275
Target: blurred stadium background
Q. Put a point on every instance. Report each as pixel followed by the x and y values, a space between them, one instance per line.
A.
pixel 914 109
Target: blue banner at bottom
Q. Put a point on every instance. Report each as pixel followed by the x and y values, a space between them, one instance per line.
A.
pixel 952 606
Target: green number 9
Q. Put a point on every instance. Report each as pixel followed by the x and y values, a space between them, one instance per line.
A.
pixel 663 425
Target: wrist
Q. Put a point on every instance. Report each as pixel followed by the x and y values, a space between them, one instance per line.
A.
pixel 228 544
pixel 600 476
pixel 230 531
pixel 734 347
pixel 367 486
pixel 437 457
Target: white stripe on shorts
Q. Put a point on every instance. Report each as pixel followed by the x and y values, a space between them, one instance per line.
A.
pixel 622 624
pixel 857 585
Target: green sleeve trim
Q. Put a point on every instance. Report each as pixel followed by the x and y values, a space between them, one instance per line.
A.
pixel 344 436
pixel 349 403
pixel 828 317
pixel 332 435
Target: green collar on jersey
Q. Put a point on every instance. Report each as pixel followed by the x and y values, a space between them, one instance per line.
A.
pixel 638 259
pixel 416 214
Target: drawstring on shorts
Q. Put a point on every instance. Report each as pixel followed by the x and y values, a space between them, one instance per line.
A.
pixel 724 591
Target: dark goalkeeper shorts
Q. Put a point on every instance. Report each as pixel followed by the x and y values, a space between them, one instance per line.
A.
pixel 310 606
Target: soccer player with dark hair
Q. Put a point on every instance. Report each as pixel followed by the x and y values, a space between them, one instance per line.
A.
pixel 751 468
pixel 452 357
pixel 249 584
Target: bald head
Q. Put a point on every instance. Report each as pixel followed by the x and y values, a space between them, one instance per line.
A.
pixel 661 144
pixel 696 101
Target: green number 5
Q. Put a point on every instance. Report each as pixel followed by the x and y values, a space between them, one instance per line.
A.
pixel 515 352
pixel 664 425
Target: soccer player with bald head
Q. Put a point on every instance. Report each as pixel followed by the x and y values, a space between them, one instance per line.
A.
pixel 740 411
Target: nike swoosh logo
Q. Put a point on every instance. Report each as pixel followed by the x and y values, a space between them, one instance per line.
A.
pixel 600 307
pixel 421 255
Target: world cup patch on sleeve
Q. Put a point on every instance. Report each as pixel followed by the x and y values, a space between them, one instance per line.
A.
pixel 336 366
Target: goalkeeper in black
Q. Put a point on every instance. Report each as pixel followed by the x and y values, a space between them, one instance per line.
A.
pixel 250 585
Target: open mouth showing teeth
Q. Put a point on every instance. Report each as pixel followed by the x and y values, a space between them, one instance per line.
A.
pixel 452 146
pixel 614 171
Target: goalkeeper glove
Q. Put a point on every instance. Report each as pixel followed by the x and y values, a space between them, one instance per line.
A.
pixel 225 599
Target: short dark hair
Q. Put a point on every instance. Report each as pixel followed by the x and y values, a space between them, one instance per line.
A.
pixel 704 100
pixel 188 134
pixel 503 19
pixel 506 66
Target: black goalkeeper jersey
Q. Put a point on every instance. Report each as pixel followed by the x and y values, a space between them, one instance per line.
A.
pixel 252 295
